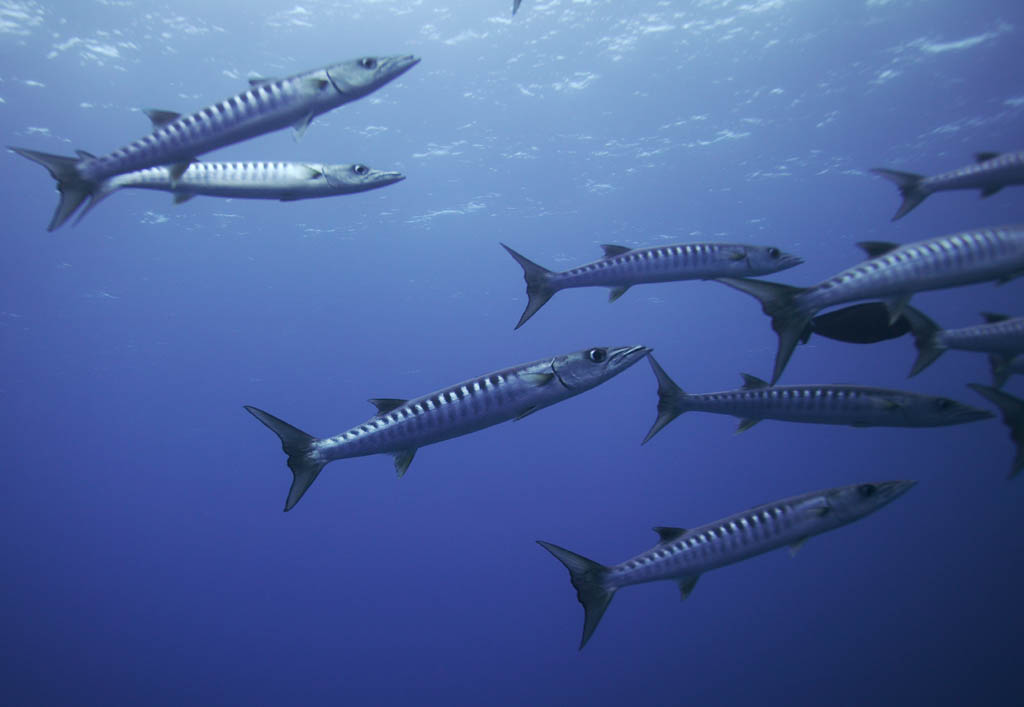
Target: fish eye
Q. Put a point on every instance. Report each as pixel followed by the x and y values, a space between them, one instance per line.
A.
pixel 943 403
pixel 867 490
pixel 360 169
pixel 597 355
pixel 774 252
pixel 368 62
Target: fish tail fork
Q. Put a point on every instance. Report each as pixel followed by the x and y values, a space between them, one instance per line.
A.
pixel 297 445
pixel 910 189
pixel 925 339
pixel 1013 416
pixel 538 284
pixel 669 396
pixel 72 187
pixel 587 577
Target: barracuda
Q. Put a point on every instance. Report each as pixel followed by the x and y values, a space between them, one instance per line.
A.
pixel 285 181
pixel 893 273
pixel 991 172
pixel 400 427
pixel 682 556
pixel 268 105
pixel 1001 336
pixel 857 406
pixel 622 267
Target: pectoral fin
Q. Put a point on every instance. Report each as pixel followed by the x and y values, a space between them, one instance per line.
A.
pixel 299 128
pixel 989 191
pixel 795 547
pixel 402 461
pixel 177 170
pixel 537 379
pixel 616 292
pixel 527 411
pixel 746 424
pixel 686 586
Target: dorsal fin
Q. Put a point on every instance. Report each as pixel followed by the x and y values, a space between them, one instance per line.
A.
pixel 386 405
pixel 83 155
pixel 985 156
pixel 261 80
pixel 611 251
pixel 160 118
pixel 875 249
pixel 992 317
pixel 753 382
pixel 666 533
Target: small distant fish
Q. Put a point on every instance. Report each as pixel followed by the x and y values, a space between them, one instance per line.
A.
pixel 866 323
pixel 1000 336
pixel 854 405
pixel 991 172
pixel 400 427
pixel 893 274
pixel 623 267
pixel 176 140
pixel 682 556
pixel 286 181
pixel 1013 416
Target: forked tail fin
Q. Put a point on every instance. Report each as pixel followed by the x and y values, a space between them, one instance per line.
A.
pixel 925 333
pixel 588 578
pixel 778 302
pixel 297 445
pixel 1013 415
pixel 669 397
pixel 910 189
pixel 538 285
pixel 73 189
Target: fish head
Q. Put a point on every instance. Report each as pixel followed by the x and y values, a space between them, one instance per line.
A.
pixel 358 77
pixel 348 178
pixel 935 411
pixel 848 503
pixel 582 370
pixel 764 260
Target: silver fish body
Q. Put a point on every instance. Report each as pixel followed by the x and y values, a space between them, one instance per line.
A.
pixel 853 405
pixel 990 173
pixel 1001 337
pixel 683 555
pixel 176 140
pixel 402 426
pixel 893 274
pixel 622 267
pixel 285 181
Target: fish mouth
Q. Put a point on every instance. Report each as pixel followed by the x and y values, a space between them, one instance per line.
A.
pixel 389 177
pixel 894 489
pixel 788 261
pixel 626 356
pixel 971 415
pixel 398 65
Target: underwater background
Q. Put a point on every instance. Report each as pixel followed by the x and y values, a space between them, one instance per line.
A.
pixel 146 559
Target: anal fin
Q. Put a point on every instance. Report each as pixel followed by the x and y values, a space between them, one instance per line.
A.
pixel 616 292
pixel 686 586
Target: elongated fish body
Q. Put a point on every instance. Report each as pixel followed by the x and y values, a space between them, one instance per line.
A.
pixel 622 267
pixel 286 181
pixel 1000 336
pixel 402 426
pixel 176 140
pixel 893 273
pixel 682 556
pixel 990 173
pixel 854 405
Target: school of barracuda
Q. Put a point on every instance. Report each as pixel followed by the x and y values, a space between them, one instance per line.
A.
pixel 167 160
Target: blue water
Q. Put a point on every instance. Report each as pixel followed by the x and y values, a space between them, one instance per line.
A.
pixel 146 558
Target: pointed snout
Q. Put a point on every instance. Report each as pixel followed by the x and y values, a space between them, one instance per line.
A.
pixel 625 356
pixel 398 65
